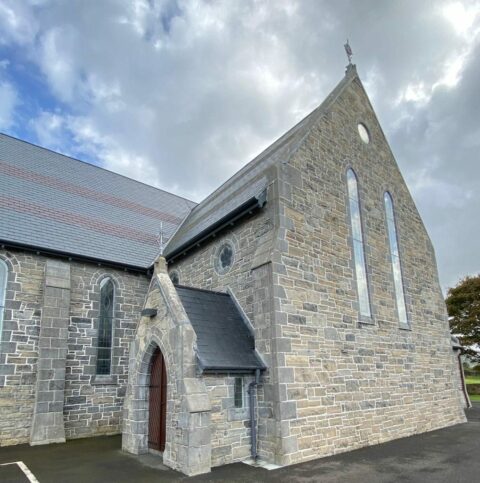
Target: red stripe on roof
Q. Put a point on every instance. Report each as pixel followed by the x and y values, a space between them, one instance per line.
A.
pixel 52 182
pixel 69 218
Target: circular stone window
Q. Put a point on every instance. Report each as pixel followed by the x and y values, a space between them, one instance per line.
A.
pixel 224 259
pixel 174 277
pixel 363 132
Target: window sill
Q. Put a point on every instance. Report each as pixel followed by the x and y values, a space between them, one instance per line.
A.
pixel 104 380
pixel 238 414
pixel 405 327
pixel 365 320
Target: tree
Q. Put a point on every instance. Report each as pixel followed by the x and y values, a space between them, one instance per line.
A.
pixel 463 305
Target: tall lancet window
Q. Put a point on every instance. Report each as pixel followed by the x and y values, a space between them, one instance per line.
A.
pixel 105 324
pixel 358 248
pixel 3 289
pixel 395 258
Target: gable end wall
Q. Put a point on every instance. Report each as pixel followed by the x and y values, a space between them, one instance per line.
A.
pixel 348 384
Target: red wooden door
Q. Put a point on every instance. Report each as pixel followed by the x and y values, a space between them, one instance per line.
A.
pixel 157 402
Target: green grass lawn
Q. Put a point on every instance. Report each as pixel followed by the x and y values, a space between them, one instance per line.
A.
pixel 472 380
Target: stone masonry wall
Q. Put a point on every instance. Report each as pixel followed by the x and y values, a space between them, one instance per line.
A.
pixel 346 384
pixel 230 425
pixel 18 352
pixel 93 404
pixel 250 280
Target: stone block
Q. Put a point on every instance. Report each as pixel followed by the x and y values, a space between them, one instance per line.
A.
pixel 288 410
pixel 197 403
pixel 46 428
pixel 286 374
pixel 199 437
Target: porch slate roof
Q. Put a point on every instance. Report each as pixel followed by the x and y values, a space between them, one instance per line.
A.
pixel 224 340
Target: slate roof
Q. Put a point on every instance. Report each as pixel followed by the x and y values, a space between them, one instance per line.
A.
pixel 56 203
pixel 224 341
pixel 251 179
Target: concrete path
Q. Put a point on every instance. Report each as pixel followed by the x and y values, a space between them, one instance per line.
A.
pixel 444 456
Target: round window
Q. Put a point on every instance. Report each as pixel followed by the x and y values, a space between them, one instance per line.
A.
pixel 174 277
pixel 363 132
pixel 224 259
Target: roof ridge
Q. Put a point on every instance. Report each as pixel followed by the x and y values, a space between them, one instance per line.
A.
pixel 94 166
pixel 202 290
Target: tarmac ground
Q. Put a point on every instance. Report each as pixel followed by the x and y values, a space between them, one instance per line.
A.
pixel 444 456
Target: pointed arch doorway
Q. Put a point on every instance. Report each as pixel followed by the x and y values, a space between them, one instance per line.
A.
pixel 157 402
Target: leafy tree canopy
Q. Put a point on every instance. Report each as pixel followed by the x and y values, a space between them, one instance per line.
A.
pixel 463 305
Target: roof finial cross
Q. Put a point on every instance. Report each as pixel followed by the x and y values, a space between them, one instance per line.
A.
pixel 349 52
pixel 160 238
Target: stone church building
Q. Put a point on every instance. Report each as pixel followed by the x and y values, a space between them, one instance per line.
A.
pixel 294 313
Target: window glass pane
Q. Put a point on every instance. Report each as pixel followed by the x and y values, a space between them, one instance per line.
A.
pixel 355 220
pixel 3 289
pixel 397 271
pixel 174 277
pixel 104 351
pixel 106 299
pixel 388 206
pixel 392 236
pixel 402 310
pixel 3 279
pixel 397 278
pixel 352 185
pixel 358 248
pixel 362 284
pixel 395 260
pixel 225 258
pixel 238 392
pixel 103 361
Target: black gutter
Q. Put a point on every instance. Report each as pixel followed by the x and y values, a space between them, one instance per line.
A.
pixel 231 370
pixel 70 256
pixel 244 209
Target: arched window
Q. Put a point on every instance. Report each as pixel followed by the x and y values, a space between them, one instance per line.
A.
pixel 105 324
pixel 395 259
pixel 3 289
pixel 358 249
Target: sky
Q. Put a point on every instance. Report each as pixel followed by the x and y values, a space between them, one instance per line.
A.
pixel 182 94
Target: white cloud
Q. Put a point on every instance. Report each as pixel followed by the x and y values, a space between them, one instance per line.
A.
pixel 461 16
pixel 57 63
pixel 17 23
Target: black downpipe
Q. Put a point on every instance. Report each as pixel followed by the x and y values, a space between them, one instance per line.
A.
pixel 462 378
pixel 252 390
